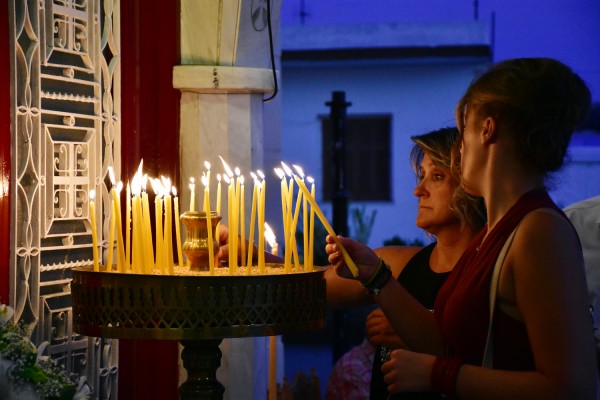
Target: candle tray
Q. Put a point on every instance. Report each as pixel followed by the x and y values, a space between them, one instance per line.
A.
pixel 190 307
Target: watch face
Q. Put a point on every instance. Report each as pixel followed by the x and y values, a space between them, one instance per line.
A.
pixel 258 13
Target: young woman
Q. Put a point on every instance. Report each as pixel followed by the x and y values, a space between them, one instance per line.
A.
pixel 516 121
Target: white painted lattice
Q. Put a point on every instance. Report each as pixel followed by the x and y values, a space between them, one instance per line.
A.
pixel 65 93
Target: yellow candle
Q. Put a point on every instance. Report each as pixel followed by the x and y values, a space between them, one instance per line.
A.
pixel 119 230
pixel 349 262
pixel 270 236
pixel 146 234
pixel 138 244
pixel 177 228
pixel 281 175
pixel 230 219
pixel 292 238
pixel 169 233
pixel 111 233
pixel 211 255
pixel 234 238
pixel 192 194
pixel 94 228
pixel 158 212
pixel 261 228
pixel 128 227
pixel 218 230
pixel 252 222
pixel 242 221
pixel 311 235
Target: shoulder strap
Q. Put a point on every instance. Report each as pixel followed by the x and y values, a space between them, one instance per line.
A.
pixel 488 354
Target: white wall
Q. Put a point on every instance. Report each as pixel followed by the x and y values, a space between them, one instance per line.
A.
pixel 420 96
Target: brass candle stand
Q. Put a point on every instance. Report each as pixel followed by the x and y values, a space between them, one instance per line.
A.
pixel 198 311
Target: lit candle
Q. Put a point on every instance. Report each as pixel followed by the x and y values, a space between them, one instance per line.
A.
pixel 158 215
pixel 193 194
pixel 137 227
pixel 94 228
pixel 229 218
pixel 349 262
pixel 305 232
pixel 242 221
pixel 218 230
pixel 252 222
pixel 239 214
pixel 146 233
pixel 177 228
pixel 119 233
pixel 128 227
pixel 292 238
pixel 236 216
pixel 281 176
pixel 115 191
pixel 289 216
pixel 261 225
pixel 311 235
pixel 211 255
pixel 111 233
pixel 168 235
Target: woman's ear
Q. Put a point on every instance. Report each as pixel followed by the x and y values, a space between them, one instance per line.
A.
pixel 488 131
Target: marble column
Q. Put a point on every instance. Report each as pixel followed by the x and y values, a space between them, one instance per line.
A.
pixel 224 76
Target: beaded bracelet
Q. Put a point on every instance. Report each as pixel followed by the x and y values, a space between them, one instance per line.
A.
pixel 444 375
pixel 378 279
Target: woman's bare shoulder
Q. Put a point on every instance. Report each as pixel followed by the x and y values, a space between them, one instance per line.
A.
pixel 397 256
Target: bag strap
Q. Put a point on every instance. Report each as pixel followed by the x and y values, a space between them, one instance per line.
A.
pixel 488 354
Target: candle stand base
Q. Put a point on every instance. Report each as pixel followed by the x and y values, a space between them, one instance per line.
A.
pixel 198 311
pixel 201 359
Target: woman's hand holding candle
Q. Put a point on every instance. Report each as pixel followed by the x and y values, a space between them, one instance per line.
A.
pixel 338 247
pixel 349 262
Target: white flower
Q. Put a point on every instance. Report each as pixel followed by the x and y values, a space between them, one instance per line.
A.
pixel 6 313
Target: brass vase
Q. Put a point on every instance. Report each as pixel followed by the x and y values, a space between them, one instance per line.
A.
pixel 197 246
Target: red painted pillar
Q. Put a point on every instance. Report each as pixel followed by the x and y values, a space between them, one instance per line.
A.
pixel 149 131
pixel 5 189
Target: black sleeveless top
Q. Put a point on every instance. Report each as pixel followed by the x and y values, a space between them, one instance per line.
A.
pixel 423 284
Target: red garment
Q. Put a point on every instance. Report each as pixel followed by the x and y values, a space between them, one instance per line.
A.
pixel 462 304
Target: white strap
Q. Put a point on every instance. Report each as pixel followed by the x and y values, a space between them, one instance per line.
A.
pixel 488 354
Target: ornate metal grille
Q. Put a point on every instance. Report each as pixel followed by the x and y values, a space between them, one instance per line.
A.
pixel 65 87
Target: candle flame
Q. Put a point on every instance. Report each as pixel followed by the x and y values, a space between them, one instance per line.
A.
pixel 111 175
pixel 119 186
pixel 140 167
pixel 144 182
pixel 166 183
pixel 226 179
pixel 242 180
pixel 287 169
pixel 227 169
pixel 270 235
pixel 299 170
pixel 237 171
pixel 310 179
pixel 204 181
pixel 280 173
pixel 136 182
pixel 260 173
pixel 174 190
pixel 219 177
pixel 92 194
pixel 207 165
pixel 157 187
pixel 253 175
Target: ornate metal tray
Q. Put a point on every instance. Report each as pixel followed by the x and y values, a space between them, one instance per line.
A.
pixel 191 307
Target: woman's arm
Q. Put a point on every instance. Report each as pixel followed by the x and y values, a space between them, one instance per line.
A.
pixel 413 322
pixel 543 284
